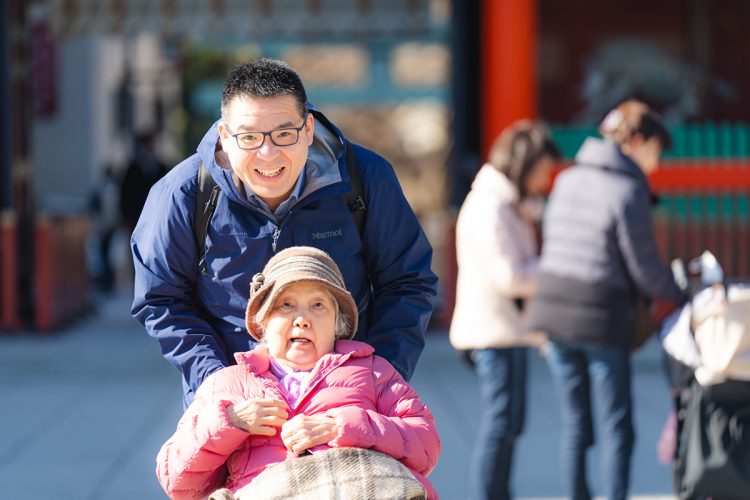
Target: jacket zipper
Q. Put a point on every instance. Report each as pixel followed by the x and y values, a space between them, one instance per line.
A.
pixel 275 237
pixel 317 378
pixel 277 231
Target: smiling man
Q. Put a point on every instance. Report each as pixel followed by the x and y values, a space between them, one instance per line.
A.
pixel 280 166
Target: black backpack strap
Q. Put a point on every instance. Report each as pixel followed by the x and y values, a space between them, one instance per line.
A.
pixel 205 204
pixel 355 199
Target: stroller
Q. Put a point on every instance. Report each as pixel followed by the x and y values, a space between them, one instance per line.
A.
pixel 708 349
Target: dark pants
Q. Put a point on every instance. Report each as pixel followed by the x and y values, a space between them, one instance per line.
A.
pixel 502 391
pixel 104 274
pixel 604 372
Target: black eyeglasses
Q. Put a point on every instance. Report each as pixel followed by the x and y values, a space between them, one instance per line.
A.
pixel 280 137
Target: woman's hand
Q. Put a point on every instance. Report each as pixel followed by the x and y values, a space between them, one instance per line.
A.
pixel 258 416
pixel 303 432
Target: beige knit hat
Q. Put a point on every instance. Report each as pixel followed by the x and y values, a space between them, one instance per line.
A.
pixel 293 265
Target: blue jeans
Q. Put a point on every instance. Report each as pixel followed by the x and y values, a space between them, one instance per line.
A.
pixel 502 391
pixel 604 372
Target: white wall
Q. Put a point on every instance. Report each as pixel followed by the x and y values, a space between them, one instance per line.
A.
pixel 70 148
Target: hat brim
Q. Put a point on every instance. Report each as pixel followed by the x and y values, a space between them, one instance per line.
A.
pixel 260 303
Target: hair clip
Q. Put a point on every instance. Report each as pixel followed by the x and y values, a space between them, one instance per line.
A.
pixel 612 121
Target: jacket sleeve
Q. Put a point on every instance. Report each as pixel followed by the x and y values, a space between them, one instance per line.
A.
pixel 191 463
pixel 402 426
pixel 635 238
pixel 398 258
pixel 165 260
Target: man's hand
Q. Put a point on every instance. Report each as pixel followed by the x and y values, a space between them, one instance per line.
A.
pixel 258 416
pixel 303 432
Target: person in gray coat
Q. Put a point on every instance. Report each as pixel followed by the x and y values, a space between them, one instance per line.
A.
pixel 598 256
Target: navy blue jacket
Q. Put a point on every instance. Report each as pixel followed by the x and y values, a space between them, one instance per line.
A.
pixel 198 318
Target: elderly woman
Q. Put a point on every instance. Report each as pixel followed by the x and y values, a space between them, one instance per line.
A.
pixel 305 389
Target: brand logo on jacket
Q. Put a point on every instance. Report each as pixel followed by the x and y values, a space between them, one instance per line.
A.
pixel 326 234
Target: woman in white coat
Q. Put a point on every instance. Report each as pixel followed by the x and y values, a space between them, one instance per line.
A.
pixel 497 253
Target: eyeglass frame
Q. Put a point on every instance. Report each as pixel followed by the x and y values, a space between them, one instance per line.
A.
pixel 268 134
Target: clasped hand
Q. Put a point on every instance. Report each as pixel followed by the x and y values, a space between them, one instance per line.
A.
pixel 303 432
pixel 264 416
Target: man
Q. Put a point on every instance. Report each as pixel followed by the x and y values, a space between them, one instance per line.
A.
pixel 280 166
pixel 598 254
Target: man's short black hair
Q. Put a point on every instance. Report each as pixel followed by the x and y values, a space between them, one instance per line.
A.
pixel 634 117
pixel 263 78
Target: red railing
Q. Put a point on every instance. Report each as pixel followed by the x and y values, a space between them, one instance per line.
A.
pixel 62 288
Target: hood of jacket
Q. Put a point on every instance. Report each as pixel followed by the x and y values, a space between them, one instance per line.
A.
pixel 607 155
pixel 490 180
pixel 322 168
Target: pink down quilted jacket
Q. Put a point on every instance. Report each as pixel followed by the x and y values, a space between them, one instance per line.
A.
pixel 372 404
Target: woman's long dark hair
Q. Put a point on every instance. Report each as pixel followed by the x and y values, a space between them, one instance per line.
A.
pixel 517 149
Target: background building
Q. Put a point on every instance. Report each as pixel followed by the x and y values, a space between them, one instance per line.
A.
pixel 427 83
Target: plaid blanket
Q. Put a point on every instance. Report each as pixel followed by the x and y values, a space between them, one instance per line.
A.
pixel 338 473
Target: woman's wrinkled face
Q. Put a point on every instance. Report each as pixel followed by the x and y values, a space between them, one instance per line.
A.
pixel 300 327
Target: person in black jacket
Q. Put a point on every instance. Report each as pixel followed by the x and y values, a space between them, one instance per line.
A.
pixel 144 169
pixel 598 255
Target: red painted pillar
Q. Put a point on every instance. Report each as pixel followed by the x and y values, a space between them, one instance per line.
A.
pixel 508 72
pixel 508 90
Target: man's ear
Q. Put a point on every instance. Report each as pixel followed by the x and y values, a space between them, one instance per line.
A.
pixel 632 144
pixel 310 128
pixel 222 130
pixel 637 140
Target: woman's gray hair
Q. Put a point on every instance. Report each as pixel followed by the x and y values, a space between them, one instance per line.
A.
pixel 341 329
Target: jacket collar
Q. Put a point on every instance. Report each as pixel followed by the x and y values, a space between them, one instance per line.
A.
pixel 259 360
pixel 491 180
pixel 607 155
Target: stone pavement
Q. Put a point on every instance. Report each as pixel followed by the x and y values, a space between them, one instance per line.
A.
pixel 84 411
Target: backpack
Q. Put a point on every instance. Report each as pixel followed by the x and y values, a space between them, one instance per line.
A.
pixel 208 194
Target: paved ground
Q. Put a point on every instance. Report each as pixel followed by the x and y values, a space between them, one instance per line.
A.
pixel 83 412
